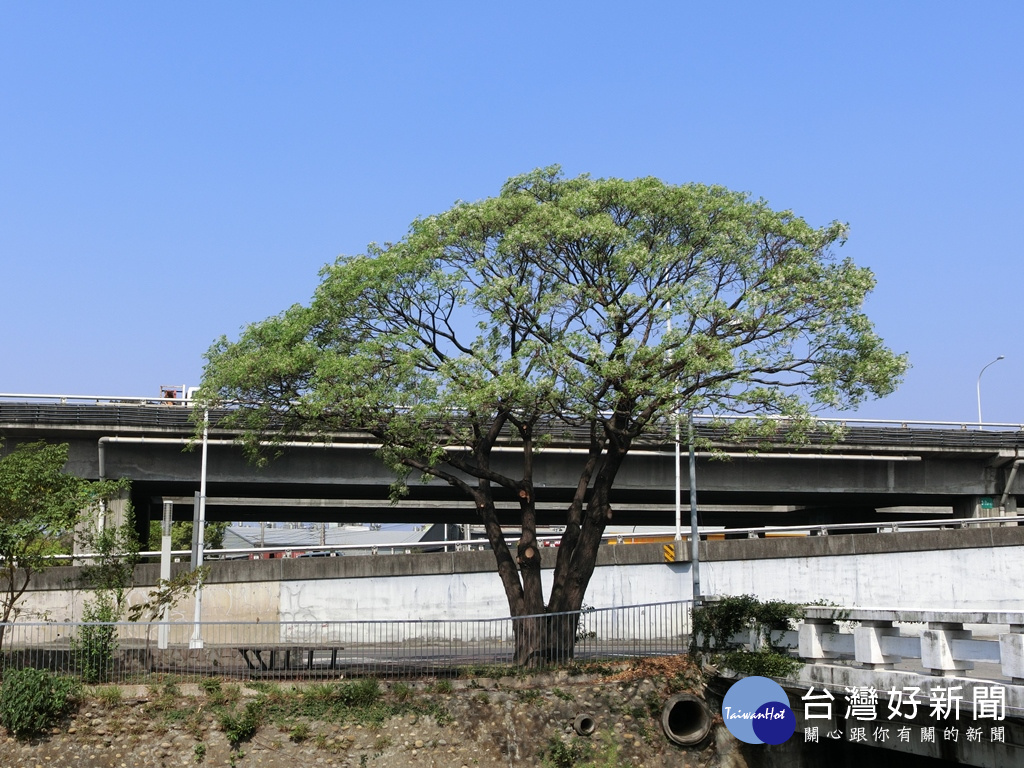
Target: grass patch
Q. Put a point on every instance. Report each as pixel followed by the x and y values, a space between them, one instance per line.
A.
pixel 494 671
pixel 441 686
pixel 401 691
pixel 109 696
pixel 361 701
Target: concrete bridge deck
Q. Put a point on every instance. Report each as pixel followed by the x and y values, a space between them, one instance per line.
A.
pixel 870 472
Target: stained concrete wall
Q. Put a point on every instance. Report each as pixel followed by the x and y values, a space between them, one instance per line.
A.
pixel 952 569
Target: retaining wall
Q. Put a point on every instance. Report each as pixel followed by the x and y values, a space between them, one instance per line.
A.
pixel 950 569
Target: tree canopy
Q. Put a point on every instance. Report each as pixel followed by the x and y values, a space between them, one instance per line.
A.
pixel 600 304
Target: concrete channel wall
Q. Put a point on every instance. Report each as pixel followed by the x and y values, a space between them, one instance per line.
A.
pixel 949 569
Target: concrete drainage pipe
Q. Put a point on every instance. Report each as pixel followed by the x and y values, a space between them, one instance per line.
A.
pixel 686 719
pixel 584 725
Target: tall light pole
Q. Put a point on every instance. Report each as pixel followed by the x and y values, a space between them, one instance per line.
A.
pixel 1001 357
pixel 199 530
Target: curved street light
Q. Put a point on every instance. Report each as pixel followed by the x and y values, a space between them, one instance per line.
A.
pixel 1001 357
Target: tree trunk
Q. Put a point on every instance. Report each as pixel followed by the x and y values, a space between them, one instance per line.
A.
pixel 545 639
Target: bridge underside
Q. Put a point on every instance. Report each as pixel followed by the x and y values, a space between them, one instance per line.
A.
pixel 871 475
pixel 653 507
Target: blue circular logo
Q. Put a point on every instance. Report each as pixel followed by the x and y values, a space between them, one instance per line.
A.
pixel 756 711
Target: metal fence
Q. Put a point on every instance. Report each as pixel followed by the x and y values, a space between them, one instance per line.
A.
pixel 126 652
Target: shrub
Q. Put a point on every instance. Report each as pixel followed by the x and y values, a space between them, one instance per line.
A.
pixel 97 640
pixel 32 700
pixel 243 726
pixel 716 623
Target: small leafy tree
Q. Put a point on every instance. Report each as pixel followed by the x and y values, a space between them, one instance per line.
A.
pixel 40 505
pixel 603 307
pixel 109 577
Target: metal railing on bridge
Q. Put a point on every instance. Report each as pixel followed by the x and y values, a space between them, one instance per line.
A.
pixel 138 412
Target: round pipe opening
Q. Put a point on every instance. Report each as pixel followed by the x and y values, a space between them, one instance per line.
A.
pixel 686 719
pixel 584 725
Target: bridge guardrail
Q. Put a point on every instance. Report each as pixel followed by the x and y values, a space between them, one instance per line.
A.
pixel 110 412
pixel 944 646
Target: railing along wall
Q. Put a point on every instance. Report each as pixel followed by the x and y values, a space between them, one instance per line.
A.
pixel 125 652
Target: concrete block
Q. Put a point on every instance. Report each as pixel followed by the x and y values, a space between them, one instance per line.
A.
pixel 868 644
pixel 813 638
pixel 1011 654
pixel 937 649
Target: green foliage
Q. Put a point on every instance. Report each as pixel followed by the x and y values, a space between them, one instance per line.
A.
pixel 579 752
pixel 40 505
pixel 241 726
pixel 529 695
pixel 715 623
pixel 602 306
pixel 109 696
pixel 181 535
pixel 441 686
pixel 360 701
pixel 566 754
pixel 218 694
pixel 583 631
pixel 764 662
pixel 33 700
pixel 117 553
pixel 109 576
pixel 168 593
pixel 401 691
pixel 96 641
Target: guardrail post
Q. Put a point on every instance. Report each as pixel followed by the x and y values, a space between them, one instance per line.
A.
pixel 812 640
pixel 937 648
pixel 867 639
pixel 1011 653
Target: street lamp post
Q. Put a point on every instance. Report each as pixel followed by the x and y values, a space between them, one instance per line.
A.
pixel 1001 357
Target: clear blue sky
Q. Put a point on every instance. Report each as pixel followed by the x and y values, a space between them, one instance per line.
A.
pixel 172 171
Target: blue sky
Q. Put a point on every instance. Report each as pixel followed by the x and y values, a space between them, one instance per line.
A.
pixel 170 172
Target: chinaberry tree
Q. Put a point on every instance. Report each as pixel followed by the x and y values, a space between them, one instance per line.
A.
pixel 603 306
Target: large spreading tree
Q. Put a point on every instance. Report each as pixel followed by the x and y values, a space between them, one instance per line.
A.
pixel 598 305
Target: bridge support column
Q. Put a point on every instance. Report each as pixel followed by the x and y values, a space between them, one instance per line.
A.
pixel 111 514
pixel 1011 653
pixel 937 648
pixel 868 640
pixel 979 506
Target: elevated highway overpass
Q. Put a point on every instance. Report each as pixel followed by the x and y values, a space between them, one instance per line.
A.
pixel 873 472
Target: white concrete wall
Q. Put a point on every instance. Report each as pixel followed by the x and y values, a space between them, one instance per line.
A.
pixel 989 578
